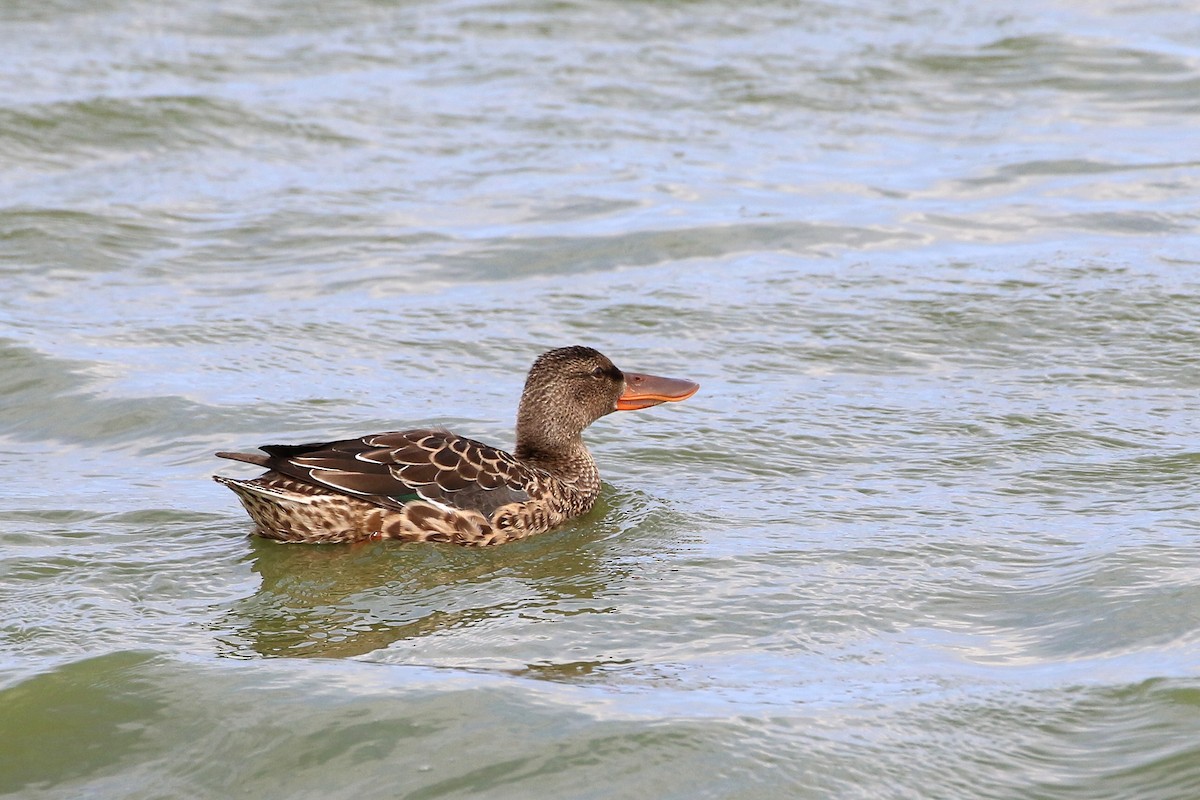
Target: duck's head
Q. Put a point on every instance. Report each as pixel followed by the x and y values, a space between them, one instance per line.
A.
pixel 572 387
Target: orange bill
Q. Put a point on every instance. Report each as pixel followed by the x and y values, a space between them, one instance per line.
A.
pixel 643 391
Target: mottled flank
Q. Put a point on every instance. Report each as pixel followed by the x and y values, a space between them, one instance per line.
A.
pixel 436 486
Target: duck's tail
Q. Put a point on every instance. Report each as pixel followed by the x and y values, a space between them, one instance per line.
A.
pixel 261 459
pixel 291 511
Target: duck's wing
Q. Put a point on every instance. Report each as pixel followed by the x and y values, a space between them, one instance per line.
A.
pixel 391 469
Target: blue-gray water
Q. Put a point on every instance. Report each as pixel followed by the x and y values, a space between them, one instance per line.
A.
pixel 929 530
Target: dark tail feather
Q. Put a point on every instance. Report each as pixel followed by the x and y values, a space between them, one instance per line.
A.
pixel 288 450
pixel 250 458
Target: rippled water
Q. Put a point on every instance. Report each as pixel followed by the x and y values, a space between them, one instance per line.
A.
pixel 928 531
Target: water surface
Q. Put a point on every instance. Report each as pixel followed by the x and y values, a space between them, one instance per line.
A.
pixel 929 530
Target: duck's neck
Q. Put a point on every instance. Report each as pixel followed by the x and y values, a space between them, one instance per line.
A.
pixel 569 462
pixel 554 442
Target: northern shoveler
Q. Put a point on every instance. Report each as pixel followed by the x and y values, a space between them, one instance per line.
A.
pixel 431 485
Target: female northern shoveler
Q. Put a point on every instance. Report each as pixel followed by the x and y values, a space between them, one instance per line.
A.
pixel 436 486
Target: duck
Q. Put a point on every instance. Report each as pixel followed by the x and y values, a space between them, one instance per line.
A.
pixel 432 485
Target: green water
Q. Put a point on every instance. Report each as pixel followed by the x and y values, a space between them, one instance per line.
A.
pixel 929 529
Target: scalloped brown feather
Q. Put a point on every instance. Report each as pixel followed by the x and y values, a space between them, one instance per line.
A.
pixel 420 485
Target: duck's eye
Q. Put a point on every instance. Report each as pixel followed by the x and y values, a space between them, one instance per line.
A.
pixel 598 372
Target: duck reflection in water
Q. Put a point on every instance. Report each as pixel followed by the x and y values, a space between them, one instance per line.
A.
pixel 343 602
